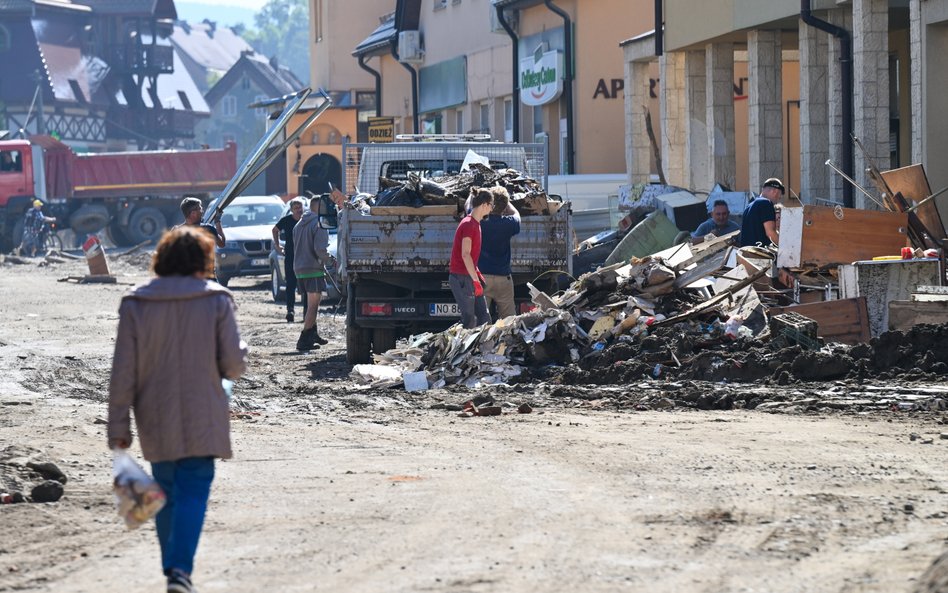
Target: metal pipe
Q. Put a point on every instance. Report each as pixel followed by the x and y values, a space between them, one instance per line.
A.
pixel 835 167
pixel 659 28
pixel 846 76
pixel 568 82
pixel 515 57
pixel 290 139
pixel 253 165
pixel 414 88
pixel 378 83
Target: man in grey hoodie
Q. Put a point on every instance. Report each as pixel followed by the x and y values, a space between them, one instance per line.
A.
pixel 311 254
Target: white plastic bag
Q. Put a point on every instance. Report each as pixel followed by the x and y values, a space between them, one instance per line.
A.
pixel 138 497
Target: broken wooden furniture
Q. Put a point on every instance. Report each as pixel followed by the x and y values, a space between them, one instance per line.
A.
pixel 822 236
pixel 845 321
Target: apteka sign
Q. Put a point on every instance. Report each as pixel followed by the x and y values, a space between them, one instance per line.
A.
pixel 541 77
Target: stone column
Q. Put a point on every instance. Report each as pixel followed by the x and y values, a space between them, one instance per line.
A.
pixel 814 113
pixel 764 108
pixel 696 154
pixel 638 55
pixel 719 64
pixel 871 90
pixel 842 18
pixel 638 151
pixel 915 53
pixel 672 102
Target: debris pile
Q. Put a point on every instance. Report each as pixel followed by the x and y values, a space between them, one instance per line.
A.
pixel 526 194
pixel 657 317
pixel 619 304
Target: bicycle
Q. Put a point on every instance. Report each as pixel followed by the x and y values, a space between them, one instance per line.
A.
pixel 49 238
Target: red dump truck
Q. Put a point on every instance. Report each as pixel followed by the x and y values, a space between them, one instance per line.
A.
pixel 133 194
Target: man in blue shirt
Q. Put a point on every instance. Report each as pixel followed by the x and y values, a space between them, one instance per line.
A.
pixel 497 228
pixel 719 224
pixel 760 217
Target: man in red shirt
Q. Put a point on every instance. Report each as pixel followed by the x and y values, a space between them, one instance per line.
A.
pixel 465 280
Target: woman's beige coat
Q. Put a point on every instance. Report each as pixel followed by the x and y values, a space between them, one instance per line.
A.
pixel 177 337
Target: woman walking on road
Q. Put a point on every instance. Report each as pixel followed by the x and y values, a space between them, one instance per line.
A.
pixel 177 338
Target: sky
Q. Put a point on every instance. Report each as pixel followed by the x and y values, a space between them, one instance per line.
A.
pixel 225 12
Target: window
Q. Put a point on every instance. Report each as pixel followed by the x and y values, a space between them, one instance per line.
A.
pixel 440 4
pixel 4 38
pixel 508 120
pixel 260 111
pixel 229 106
pixel 245 83
pixel 10 161
pixel 537 120
pixel 367 103
pixel 459 121
pixel 485 117
pixel 431 124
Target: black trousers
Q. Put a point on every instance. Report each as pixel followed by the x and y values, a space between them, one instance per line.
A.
pixel 291 285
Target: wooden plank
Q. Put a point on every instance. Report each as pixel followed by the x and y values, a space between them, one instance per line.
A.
pixel 912 183
pixel 704 250
pixel 713 301
pixel 834 235
pixel 903 315
pixel 845 320
pixel 705 268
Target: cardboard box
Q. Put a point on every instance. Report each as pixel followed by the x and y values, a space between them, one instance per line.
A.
pixel 95 257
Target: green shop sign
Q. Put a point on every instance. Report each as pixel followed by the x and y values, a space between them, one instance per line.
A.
pixel 541 78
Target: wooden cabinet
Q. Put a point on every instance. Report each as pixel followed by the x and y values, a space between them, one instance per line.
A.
pixel 822 236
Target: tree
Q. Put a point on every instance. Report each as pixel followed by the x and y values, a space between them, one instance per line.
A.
pixel 282 31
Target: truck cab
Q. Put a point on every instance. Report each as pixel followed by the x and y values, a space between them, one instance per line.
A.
pixel 20 184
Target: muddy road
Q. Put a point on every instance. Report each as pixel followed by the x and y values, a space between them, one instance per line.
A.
pixel 832 486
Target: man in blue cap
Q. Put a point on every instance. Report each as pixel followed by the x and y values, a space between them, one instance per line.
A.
pixel 759 224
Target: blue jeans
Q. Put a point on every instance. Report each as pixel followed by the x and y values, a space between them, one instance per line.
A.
pixel 187 484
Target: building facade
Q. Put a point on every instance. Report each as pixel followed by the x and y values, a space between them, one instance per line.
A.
pixel 100 75
pixel 460 66
pixel 813 75
pixel 234 117
pixel 207 51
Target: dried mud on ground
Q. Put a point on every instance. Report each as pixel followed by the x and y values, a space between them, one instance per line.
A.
pixel 671 484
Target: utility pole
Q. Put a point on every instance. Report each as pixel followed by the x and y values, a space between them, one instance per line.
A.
pixel 40 122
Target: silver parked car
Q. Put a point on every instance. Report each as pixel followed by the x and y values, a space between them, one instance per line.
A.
pixel 247 221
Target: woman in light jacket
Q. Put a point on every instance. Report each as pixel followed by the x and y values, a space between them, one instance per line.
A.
pixel 177 338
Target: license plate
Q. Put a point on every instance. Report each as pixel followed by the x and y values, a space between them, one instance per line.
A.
pixel 259 262
pixel 444 310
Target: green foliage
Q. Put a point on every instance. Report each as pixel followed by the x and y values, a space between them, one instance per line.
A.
pixel 282 30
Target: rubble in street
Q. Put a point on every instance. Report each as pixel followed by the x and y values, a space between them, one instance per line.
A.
pixel 706 312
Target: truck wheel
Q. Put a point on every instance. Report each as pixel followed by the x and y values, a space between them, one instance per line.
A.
pixel 17 234
pixel 146 224
pixel 383 340
pixel 117 234
pixel 89 219
pixel 358 345
pixel 275 289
